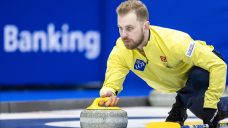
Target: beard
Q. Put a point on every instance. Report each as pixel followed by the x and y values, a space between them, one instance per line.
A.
pixel 133 44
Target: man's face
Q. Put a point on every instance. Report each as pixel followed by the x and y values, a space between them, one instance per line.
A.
pixel 131 30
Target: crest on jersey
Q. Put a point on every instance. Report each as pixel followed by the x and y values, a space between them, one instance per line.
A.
pixel 139 65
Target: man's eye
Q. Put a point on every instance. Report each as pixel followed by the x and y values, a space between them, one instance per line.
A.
pixel 130 29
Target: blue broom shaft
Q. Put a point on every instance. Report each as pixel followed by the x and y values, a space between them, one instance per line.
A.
pixel 203 125
pixel 196 126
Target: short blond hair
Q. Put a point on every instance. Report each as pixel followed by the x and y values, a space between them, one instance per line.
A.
pixel 133 5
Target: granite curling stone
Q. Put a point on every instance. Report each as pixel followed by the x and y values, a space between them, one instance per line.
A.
pixel 97 116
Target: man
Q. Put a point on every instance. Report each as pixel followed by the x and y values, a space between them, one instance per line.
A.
pixel 169 61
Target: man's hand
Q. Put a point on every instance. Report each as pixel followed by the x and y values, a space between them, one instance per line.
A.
pixel 113 100
pixel 210 117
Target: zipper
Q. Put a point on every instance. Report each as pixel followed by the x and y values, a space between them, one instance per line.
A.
pixel 144 56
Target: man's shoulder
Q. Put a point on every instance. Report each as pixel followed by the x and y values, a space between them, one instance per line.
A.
pixel 120 44
pixel 170 38
pixel 120 49
pixel 164 32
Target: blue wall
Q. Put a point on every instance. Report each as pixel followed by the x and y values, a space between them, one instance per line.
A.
pixel 29 32
pixel 85 32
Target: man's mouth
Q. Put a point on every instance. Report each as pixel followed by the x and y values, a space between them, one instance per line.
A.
pixel 126 41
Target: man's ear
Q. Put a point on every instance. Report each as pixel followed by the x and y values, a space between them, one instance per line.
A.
pixel 147 25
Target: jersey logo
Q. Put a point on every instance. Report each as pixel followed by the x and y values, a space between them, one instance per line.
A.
pixel 163 58
pixel 190 49
pixel 139 65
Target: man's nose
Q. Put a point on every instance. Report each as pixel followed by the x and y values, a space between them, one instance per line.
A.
pixel 124 34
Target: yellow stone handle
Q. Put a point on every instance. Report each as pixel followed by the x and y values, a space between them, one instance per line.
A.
pixel 95 105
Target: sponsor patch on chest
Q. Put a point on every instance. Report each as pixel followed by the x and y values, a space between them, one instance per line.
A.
pixel 163 58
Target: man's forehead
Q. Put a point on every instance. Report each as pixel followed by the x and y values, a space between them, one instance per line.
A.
pixel 129 19
pixel 126 25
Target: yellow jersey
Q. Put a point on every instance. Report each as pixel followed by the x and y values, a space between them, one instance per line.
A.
pixel 169 55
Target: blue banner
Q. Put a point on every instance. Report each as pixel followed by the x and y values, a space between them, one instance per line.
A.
pixel 50 42
pixel 68 41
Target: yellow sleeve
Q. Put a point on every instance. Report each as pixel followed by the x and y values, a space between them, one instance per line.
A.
pixel 206 59
pixel 116 71
pixel 199 54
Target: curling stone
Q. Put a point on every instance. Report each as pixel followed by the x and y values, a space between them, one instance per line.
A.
pixel 96 116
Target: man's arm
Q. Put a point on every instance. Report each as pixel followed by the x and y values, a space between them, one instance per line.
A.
pixel 203 57
pixel 199 54
pixel 115 75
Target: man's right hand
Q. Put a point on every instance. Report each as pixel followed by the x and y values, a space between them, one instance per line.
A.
pixel 113 99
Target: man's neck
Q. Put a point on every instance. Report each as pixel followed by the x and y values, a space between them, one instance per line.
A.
pixel 144 42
